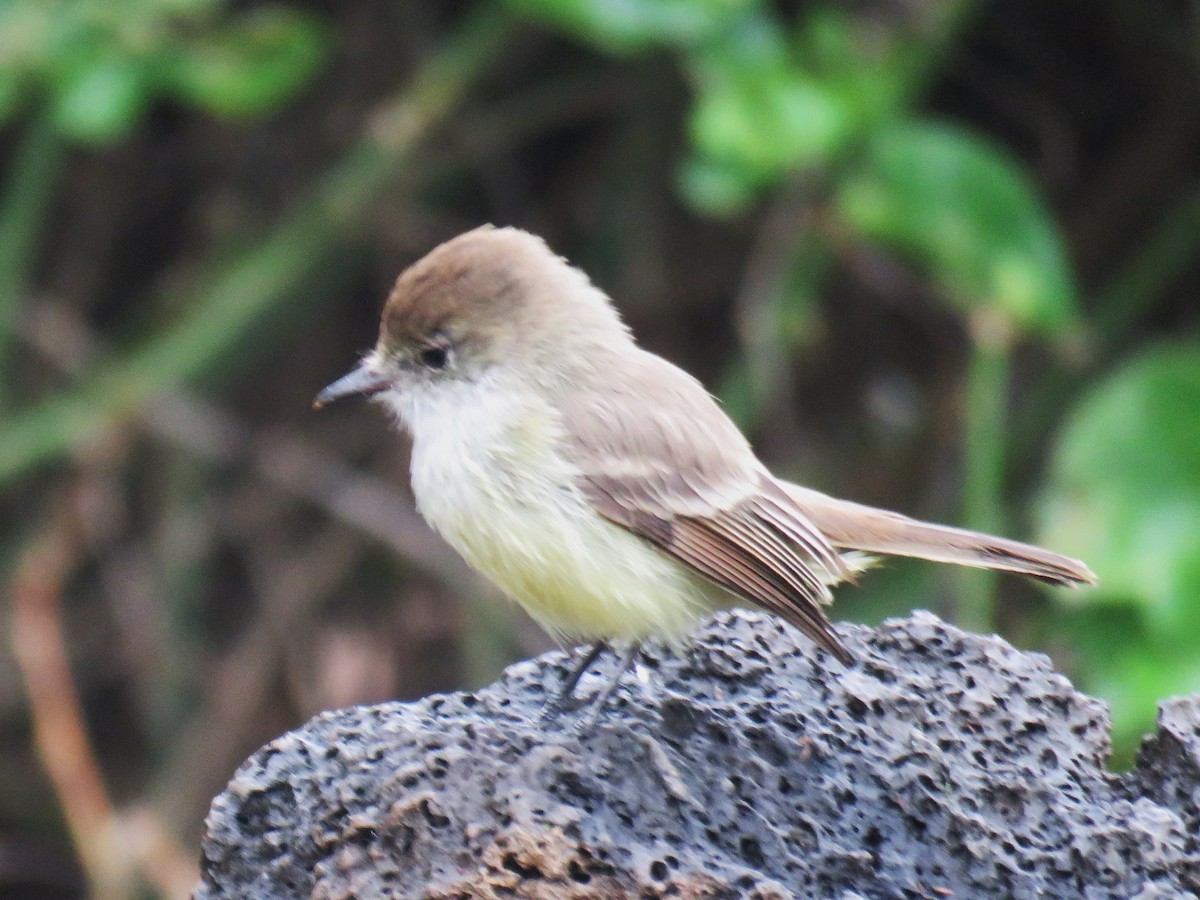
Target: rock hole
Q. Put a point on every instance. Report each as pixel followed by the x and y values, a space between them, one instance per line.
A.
pixel 752 852
pixel 513 864
pixel 433 816
pixel 578 873
pixel 857 709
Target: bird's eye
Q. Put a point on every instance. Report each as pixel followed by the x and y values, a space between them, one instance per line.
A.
pixel 435 357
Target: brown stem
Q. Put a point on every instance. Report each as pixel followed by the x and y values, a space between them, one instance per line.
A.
pixel 113 848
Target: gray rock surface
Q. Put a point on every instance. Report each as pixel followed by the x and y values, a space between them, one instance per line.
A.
pixel 942 764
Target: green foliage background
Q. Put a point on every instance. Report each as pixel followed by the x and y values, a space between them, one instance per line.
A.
pixel 925 264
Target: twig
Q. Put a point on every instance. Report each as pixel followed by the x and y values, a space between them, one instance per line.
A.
pixel 58 731
pixel 112 847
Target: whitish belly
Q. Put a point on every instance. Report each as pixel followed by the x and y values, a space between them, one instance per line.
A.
pixel 505 500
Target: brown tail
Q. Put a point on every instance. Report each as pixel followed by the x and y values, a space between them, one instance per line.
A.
pixel 851 526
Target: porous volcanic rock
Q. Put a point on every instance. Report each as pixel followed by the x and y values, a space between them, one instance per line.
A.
pixel 747 765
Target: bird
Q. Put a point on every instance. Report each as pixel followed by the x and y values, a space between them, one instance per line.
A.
pixel 597 484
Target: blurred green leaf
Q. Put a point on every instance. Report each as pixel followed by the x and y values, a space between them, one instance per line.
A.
pixel 252 65
pixel 102 99
pixel 1119 660
pixel 754 45
pixel 631 25
pixel 758 114
pixel 831 45
pixel 1123 490
pixel 715 188
pixel 964 211
pixel 768 126
pixel 762 107
pixel 1133 681
pixel 100 64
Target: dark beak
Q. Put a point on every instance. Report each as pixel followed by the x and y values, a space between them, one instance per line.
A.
pixel 362 382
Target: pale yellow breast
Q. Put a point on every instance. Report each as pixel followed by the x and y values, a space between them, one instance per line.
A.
pixel 488 477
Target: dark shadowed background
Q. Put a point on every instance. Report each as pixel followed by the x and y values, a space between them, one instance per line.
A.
pixel 937 256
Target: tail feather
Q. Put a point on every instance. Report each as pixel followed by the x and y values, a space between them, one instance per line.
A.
pixel 852 526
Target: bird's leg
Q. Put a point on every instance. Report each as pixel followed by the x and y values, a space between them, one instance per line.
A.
pixel 598 702
pixel 562 700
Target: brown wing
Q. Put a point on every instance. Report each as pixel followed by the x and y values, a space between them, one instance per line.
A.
pixel 659 457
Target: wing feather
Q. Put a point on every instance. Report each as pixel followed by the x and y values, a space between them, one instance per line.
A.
pixel 775 507
pixel 738 529
pixel 657 456
pixel 703 545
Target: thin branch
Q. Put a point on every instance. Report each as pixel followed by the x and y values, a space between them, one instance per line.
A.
pixel 59 734
pixel 113 847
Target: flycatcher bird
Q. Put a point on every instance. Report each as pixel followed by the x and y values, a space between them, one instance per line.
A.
pixel 597 484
